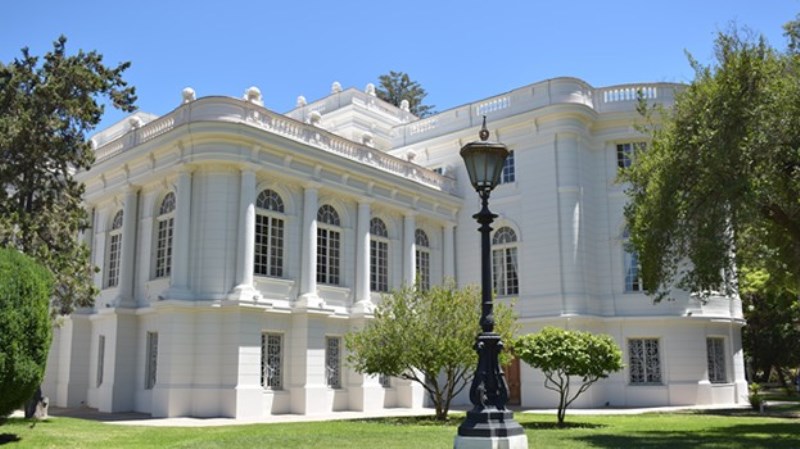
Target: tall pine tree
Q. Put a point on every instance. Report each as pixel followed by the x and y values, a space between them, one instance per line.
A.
pixel 48 106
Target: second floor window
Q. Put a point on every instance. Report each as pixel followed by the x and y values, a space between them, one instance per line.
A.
pixel 378 256
pixel 114 251
pixel 504 262
pixel 626 153
pixel 164 229
pixel 509 169
pixel 269 234
pixel 423 259
pixel 328 245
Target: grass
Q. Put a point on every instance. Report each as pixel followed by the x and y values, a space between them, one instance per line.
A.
pixel 699 430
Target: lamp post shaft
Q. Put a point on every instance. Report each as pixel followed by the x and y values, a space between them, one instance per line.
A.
pixel 485 218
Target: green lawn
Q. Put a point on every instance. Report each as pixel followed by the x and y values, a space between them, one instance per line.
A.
pixel 651 431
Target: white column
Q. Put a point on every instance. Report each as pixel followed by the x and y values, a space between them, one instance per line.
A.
pixel 409 256
pixel 448 250
pixel 246 242
pixel 363 303
pixel 308 270
pixel 128 249
pixel 180 248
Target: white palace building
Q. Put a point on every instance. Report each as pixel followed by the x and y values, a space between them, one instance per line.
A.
pixel 237 246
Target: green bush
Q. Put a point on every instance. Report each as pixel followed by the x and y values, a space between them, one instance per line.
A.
pixel 25 327
pixel 755 397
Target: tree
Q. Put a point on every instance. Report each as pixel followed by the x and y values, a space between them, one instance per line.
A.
pixel 563 355
pixel 46 111
pixel 25 332
pixel 772 331
pixel 397 86
pixel 426 336
pixel 720 178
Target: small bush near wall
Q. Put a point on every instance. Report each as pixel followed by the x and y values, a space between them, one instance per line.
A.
pixel 25 327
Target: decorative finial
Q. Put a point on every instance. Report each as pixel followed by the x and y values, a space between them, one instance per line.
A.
pixel 484 133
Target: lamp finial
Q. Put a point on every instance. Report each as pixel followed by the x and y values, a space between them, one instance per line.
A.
pixel 484 133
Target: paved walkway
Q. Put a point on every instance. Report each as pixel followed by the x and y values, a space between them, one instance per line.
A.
pixel 142 419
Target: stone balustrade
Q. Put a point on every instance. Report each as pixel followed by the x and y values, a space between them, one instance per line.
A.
pixel 546 93
pixel 225 109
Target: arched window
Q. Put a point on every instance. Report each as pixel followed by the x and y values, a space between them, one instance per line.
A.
pixel 114 250
pixel 630 262
pixel 379 256
pixel 329 237
pixel 269 234
pixel 164 229
pixel 504 262
pixel 423 259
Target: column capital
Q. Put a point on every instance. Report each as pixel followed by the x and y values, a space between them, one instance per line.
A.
pixel 312 185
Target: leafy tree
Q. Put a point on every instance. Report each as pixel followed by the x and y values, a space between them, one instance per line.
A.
pixel 46 111
pixel 397 86
pixel 564 355
pixel 25 289
pixel 722 172
pixel 771 333
pixel 426 336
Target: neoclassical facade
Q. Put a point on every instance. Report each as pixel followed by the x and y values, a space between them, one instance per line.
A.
pixel 237 246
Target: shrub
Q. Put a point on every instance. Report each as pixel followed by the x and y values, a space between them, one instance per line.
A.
pixel 755 397
pixel 25 332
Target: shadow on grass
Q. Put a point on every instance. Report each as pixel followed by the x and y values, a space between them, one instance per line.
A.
pixel 554 425
pixel 773 411
pixel 414 421
pixel 6 438
pixel 751 436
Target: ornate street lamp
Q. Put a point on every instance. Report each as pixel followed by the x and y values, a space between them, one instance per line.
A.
pixel 489 423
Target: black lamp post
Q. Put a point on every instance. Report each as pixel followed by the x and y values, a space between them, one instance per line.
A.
pixel 488 393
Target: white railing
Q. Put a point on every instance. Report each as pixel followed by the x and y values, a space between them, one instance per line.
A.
pixel 531 97
pixel 224 109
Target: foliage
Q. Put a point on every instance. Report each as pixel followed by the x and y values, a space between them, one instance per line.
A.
pixel 772 316
pixel 46 111
pixel 563 355
pixel 397 86
pixel 722 172
pixel 754 396
pixel 25 331
pixel 427 336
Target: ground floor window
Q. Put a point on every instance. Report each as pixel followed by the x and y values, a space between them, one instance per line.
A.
pixel 152 360
pixel 333 362
pixel 101 356
pixel 644 361
pixel 715 348
pixel 271 361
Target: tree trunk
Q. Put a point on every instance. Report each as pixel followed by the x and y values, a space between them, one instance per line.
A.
pixel 36 407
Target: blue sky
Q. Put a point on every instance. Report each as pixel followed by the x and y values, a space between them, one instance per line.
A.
pixel 460 51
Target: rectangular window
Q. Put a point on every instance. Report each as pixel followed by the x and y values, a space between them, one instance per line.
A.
pixel 101 358
pixel 386 381
pixel 113 260
pixel 379 265
pixel 504 271
pixel 645 361
pixel 164 248
pixel 269 246
pixel 626 152
pixel 439 170
pixel 509 170
pixel 633 281
pixel 715 348
pixel 151 368
pixel 423 257
pixel 333 362
pixel 328 256
pixel 271 361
